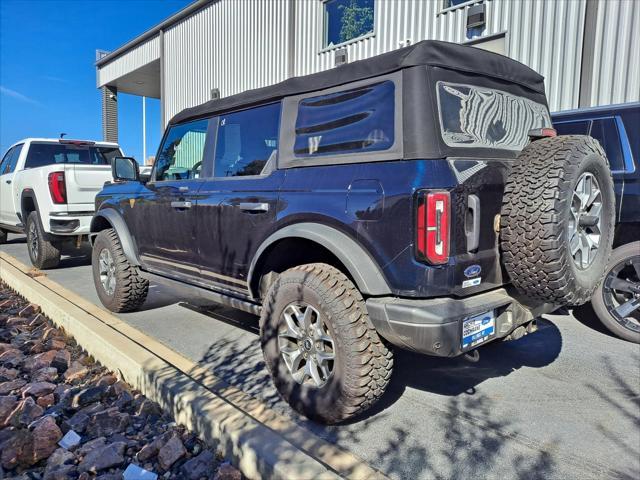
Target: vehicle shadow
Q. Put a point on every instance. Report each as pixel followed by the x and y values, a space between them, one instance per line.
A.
pixel 586 316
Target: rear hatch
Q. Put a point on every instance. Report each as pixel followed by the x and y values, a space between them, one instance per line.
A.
pixel 83 182
pixel 476 122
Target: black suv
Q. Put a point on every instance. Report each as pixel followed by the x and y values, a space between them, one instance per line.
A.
pixel 419 198
pixel 617 127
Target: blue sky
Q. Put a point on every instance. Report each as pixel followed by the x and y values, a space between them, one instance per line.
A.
pixel 47 72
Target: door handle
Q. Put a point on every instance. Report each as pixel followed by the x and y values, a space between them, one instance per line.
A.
pixel 181 205
pixel 183 189
pixel 8 181
pixel 472 223
pixel 254 207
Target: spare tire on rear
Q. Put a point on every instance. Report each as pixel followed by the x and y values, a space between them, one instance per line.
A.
pixel 557 219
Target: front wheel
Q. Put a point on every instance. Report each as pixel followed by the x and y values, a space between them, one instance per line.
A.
pixel 325 357
pixel 118 283
pixel 3 236
pixel 42 251
pixel 617 299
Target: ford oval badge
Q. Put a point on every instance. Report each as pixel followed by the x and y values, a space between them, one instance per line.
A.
pixel 472 271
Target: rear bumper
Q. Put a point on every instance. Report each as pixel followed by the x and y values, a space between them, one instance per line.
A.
pixel 70 224
pixel 434 326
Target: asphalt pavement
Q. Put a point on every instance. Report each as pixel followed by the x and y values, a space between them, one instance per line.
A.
pixel 561 403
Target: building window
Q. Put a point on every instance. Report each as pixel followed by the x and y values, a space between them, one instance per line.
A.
pixel 349 121
pixel 247 140
pixel 346 20
pixel 452 3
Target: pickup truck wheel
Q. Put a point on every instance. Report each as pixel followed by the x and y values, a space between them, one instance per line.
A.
pixel 617 299
pixel 42 251
pixel 324 355
pixel 556 224
pixel 118 283
pixel 3 236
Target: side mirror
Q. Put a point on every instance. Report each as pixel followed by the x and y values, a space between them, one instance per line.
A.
pixel 125 169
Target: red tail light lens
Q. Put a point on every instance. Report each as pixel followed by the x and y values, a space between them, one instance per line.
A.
pixel 57 187
pixel 432 227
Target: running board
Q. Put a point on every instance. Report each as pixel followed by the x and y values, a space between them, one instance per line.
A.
pixel 204 293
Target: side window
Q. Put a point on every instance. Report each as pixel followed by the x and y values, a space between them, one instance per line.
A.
pixel 350 121
pixel 5 161
pixel 246 141
pixel 573 128
pixel 181 154
pixel 605 131
pixel 12 161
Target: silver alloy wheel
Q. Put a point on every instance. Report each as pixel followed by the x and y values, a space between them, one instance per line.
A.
pixel 33 240
pixel 621 293
pixel 586 220
pixel 306 345
pixel 107 269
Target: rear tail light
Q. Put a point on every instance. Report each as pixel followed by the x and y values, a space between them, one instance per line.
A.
pixel 432 227
pixel 57 187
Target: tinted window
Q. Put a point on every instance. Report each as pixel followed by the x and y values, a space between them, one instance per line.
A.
pixel 345 20
pixel 473 117
pixel 181 154
pixel 573 128
pixel 351 121
pixel 9 165
pixel 43 154
pixel 631 119
pixel 5 161
pixel 606 132
pixel 246 141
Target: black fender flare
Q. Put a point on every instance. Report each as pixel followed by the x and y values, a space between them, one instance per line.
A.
pixel 27 193
pixel 114 218
pixel 362 268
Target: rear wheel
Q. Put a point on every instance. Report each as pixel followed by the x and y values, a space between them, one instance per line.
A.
pixel 43 252
pixel 325 357
pixel 617 299
pixel 3 236
pixel 118 283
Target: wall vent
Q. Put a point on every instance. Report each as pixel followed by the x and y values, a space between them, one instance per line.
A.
pixel 341 57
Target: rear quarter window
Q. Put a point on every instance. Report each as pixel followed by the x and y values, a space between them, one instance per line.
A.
pixel 480 117
pixel 348 121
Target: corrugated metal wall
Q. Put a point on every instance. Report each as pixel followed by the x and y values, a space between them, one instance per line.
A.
pixel 233 45
pixel 534 30
pixel 616 69
pixel 137 57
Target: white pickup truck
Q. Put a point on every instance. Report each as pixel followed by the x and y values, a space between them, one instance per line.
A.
pixel 47 190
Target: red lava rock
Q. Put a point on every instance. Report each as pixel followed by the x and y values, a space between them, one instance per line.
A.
pixel 47 374
pixel 25 412
pixel 61 361
pixel 6 346
pixel 14 449
pixel 7 405
pixel 29 310
pixel 15 322
pixel 12 358
pixel 107 423
pixel 46 435
pixel 8 387
pixel 41 360
pixel 107 380
pixel 58 465
pixel 37 389
pixel 55 344
pixel 199 466
pixel 7 374
pixel 46 400
pixel 226 471
pixel 106 456
pixel 76 371
pixel 171 452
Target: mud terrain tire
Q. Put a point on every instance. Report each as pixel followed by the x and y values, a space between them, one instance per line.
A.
pixel 129 289
pixel 537 222
pixel 363 363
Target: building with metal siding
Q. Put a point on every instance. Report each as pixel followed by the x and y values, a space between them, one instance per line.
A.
pixel 584 48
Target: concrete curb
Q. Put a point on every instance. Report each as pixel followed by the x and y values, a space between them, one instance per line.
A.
pixel 261 442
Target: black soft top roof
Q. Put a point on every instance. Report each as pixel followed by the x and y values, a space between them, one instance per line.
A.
pixel 428 52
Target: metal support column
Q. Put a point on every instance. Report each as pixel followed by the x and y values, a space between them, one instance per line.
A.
pixel 110 114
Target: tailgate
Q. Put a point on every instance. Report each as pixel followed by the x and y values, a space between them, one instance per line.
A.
pixel 83 182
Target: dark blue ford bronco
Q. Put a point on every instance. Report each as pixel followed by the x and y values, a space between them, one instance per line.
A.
pixel 417 199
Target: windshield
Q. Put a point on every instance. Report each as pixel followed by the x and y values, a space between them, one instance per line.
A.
pixel 43 154
pixel 473 116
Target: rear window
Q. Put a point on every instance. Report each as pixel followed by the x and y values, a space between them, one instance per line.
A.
pixel 479 117
pixel 43 154
pixel 350 121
